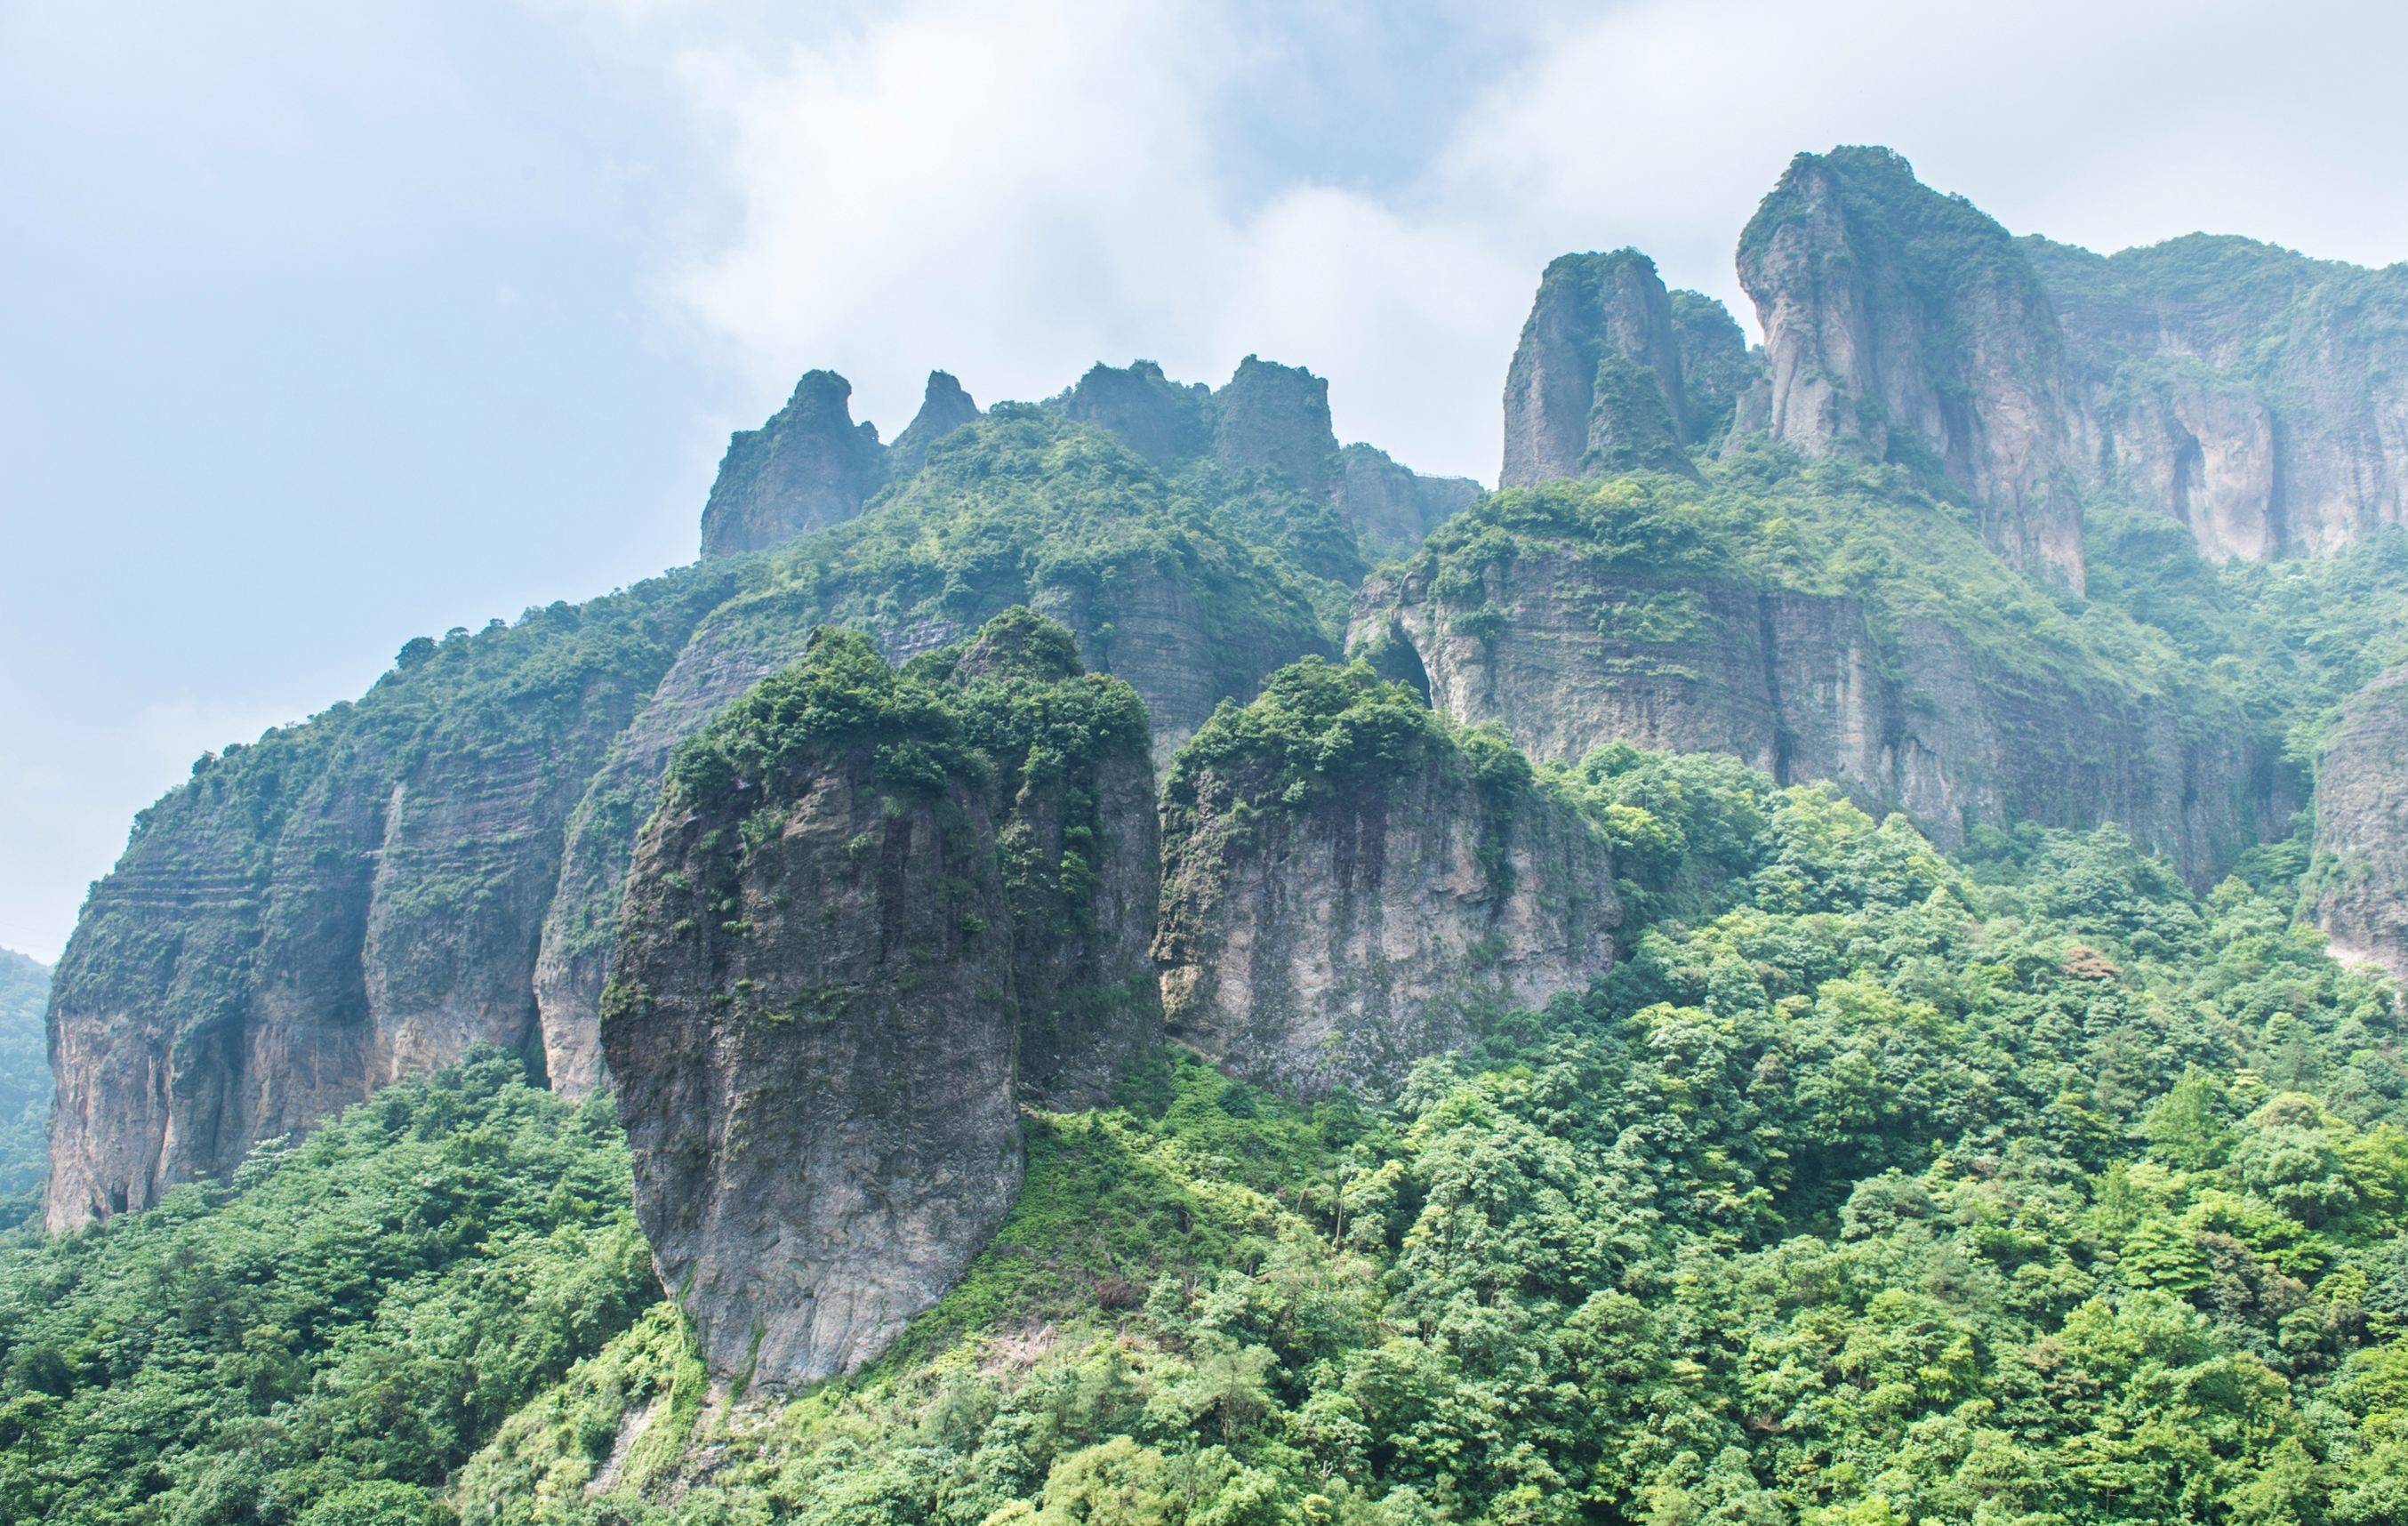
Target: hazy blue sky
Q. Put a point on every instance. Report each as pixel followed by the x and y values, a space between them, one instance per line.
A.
pixel 326 326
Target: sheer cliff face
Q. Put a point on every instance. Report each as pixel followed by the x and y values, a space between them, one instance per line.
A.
pixel 1568 654
pixel 1596 384
pixel 810 466
pixel 1275 418
pixel 1184 617
pixel 873 913
pixel 2357 889
pixel 1313 939
pixel 1390 506
pixel 337 906
pixel 811 1044
pixel 1903 326
pixel 1161 419
pixel 2254 393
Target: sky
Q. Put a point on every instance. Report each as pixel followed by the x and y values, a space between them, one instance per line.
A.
pixel 325 326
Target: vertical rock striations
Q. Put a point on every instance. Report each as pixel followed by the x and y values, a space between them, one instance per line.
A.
pixel 2358 886
pixel 1161 419
pixel 1348 884
pixel 1072 799
pixel 809 1031
pixel 1274 418
pixel 2256 394
pixel 1903 326
pixel 866 898
pixel 1019 508
pixel 811 466
pixel 1716 366
pixel 1595 386
pixel 1575 617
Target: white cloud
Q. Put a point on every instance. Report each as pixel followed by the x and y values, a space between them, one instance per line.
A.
pixel 1014 191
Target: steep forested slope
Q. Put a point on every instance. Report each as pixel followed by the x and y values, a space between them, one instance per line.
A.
pixel 1783 976
pixel 25 1083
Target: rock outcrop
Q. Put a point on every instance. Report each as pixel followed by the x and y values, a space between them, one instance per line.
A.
pixel 2257 395
pixel 1569 648
pixel 1021 509
pixel 1348 884
pixel 1903 326
pixel 1391 506
pixel 1071 795
pixel 809 466
pixel 1163 421
pixel 1274 418
pixel 944 407
pixel 1595 386
pixel 2357 885
pixel 341 903
pixel 867 899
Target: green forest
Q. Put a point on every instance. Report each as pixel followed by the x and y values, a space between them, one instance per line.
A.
pixel 1872 1186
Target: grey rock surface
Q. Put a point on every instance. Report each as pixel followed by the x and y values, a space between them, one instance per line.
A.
pixel 809 466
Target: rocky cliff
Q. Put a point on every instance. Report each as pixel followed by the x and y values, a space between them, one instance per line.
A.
pixel 1165 421
pixel 340 903
pixel 866 902
pixel 1021 508
pixel 2252 393
pixel 1391 506
pixel 810 466
pixel 1274 418
pixel 2357 888
pixel 944 407
pixel 1903 326
pixel 1575 618
pixel 440 865
pixel 1269 429
pixel 1349 883
pixel 1596 384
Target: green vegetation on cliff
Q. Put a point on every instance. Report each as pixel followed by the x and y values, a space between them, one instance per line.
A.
pixel 1763 518
pixel 1024 507
pixel 1872 1187
pixel 24 1085
pixel 2293 639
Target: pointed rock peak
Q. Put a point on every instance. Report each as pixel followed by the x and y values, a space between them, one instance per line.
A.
pixel 1159 419
pixel 1595 386
pixel 1905 326
pixel 820 391
pixel 809 466
pixel 944 407
pixel 1274 418
pixel 1019 643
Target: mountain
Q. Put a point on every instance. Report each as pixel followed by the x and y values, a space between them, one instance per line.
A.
pixel 439 865
pixel 1828 952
